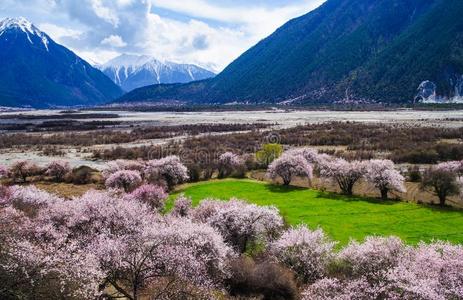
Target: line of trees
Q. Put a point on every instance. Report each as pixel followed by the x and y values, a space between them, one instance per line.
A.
pixel 443 180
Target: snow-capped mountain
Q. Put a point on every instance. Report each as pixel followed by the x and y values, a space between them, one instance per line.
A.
pixel 133 71
pixel 35 71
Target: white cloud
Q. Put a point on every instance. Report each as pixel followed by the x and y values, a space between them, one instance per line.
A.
pixel 58 33
pixel 114 41
pixel 104 12
pixel 205 32
pixel 96 57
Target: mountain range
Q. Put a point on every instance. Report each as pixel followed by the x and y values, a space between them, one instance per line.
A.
pixel 37 72
pixel 133 71
pixel 343 51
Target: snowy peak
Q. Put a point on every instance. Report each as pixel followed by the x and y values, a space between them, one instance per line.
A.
pixel 134 71
pixel 126 60
pixel 19 23
pixel 23 25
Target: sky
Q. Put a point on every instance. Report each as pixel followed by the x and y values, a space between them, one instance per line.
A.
pixel 209 33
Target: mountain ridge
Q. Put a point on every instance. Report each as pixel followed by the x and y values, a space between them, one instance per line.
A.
pixel 333 54
pixel 38 72
pixel 134 71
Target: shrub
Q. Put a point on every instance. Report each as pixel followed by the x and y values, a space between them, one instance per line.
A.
pixel 414 174
pixel 266 280
pixel 288 166
pixel 80 175
pixel 125 180
pixel 308 253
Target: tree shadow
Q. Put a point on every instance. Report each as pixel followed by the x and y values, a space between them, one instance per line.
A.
pixel 283 188
pixel 353 198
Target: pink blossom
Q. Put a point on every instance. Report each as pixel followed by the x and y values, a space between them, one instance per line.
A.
pixel 169 171
pixel 383 176
pixel 3 171
pixel 228 163
pixel 431 271
pixel 345 174
pixel 308 253
pixel 121 165
pixel 372 258
pixel 22 169
pixel 240 223
pixel 5 195
pixel 336 289
pixel 310 154
pixel 182 207
pixel 288 166
pixel 126 180
pixel 58 169
pixel 29 199
pixel 153 195
pixel 452 166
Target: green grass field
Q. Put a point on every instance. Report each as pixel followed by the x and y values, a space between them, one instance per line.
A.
pixel 340 216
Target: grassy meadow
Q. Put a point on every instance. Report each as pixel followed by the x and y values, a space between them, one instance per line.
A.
pixel 341 217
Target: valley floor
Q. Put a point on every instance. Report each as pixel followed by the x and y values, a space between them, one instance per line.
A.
pixel 341 217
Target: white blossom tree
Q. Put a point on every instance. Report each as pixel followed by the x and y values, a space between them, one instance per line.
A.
pixel 154 196
pixel 229 163
pixel 383 176
pixel 58 169
pixel 169 171
pixel 288 166
pixel 240 223
pixel 308 253
pixel 126 180
pixel 346 174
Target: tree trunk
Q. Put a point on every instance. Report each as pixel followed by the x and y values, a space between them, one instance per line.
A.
pixel 442 199
pixel 384 194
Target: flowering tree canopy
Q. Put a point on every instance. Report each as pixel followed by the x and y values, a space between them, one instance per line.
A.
pixel 228 163
pixel 22 169
pixel 288 166
pixel 372 258
pixel 58 169
pixel 383 176
pixel 239 223
pixel 169 171
pixel 121 165
pixel 153 195
pixel 126 180
pixel 3 171
pixel 82 246
pixel 344 173
pixel 452 166
pixel 182 207
pixel 306 252
pixel 384 268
